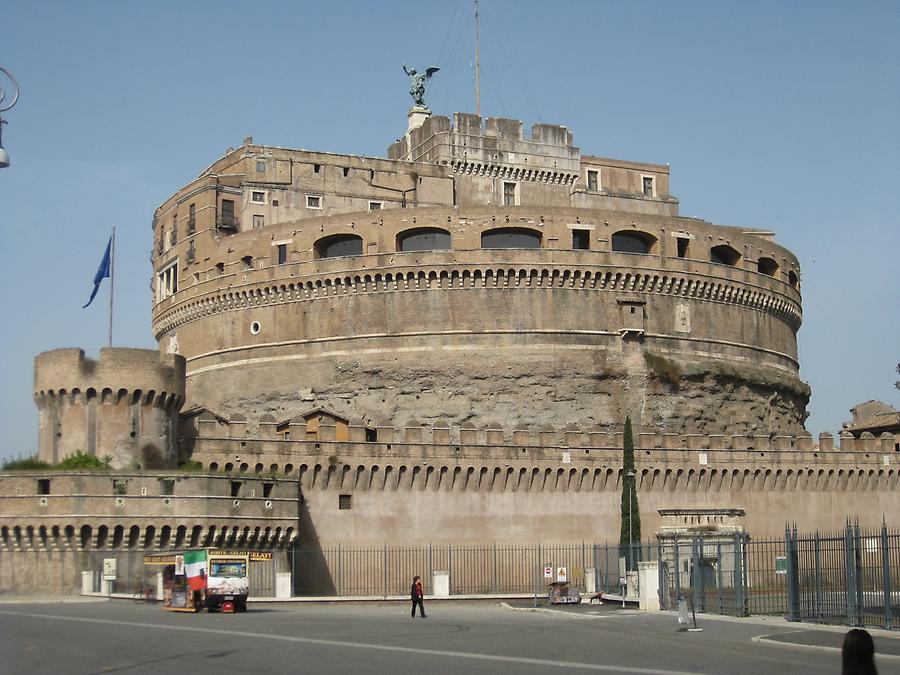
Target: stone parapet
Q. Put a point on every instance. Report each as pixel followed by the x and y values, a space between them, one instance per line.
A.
pixel 82 510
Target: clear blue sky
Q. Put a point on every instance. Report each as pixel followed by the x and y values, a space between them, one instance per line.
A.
pixel 777 115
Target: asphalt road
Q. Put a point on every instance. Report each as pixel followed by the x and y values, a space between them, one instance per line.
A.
pixel 121 637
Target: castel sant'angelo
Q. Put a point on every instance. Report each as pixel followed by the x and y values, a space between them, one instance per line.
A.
pixel 440 346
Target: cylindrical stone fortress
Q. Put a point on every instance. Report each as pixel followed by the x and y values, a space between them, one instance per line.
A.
pixel 481 292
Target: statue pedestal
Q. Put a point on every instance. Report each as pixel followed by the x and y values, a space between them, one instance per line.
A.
pixel 417 116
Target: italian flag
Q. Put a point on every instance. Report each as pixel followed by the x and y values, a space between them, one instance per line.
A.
pixel 195 569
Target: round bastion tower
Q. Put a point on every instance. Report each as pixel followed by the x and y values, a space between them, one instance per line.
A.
pixel 123 405
pixel 478 275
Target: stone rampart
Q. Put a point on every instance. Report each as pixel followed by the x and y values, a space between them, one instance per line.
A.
pixel 477 486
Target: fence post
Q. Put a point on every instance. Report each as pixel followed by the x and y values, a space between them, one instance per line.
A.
pixel 384 570
pixel 677 569
pixel 597 586
pixel 450 566
pixel 742 604
pixel 820 610
pixel 886 574
pixel 696 575
pixel 860 574
pixel 719 576
pixel 793 574
pixel 496 582
pixel 850 575
pixel 662 585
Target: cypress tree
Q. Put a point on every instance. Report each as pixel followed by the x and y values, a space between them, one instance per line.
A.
pixel 629 493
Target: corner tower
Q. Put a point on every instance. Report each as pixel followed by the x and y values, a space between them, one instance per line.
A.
pixel 123 405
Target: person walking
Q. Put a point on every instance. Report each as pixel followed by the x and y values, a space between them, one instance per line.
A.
pixel 417 595
pixel 858 653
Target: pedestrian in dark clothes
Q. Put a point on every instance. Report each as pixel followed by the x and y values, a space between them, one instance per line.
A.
pixel 417 594
pixel 858 653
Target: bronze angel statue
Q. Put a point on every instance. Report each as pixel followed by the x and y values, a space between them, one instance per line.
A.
pixel 417 83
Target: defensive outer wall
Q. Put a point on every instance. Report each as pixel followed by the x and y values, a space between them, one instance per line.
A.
pixel 54 525
pixel 477 487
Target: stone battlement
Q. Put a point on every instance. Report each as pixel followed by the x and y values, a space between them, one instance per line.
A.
pixel 210 427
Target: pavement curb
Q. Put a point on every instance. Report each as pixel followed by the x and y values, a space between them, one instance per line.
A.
pixel 569 615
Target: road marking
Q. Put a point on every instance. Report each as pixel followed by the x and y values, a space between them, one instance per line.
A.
pixel 362 645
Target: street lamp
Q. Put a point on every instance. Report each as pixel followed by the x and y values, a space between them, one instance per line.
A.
pixel 4 156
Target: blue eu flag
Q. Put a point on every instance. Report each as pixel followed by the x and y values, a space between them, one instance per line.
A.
pixel 102 272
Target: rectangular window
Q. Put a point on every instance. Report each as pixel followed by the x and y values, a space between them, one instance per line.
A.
pixel 593 180
pixel 120 487
pixel 313 201
pixel 258 221
pixel 375 206
pixel 682 246
pixel 267 490
pixel 282 254
pixel 192 218
pixel 167 282
pixel 43 486
pixel 371 435
pixel 235 488
pixel 647 186
pixel 258 197
pixel 344 502
pixel 167 487
pixel 581 239
pixel 227 217
pixel 509 194
pixel 260 166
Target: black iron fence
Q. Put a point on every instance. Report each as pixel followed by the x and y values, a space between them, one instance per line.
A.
pixel 471 570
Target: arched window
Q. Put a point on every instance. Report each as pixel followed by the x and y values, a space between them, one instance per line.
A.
pixel 724 255
pixel 425 239
pixel 511 237
pixel 793 279
pixel 339 245
pixel 633 241
pixel 767 266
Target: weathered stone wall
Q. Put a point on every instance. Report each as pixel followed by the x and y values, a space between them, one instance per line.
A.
pixel 123 405
pixel 474 487
pixel 50 522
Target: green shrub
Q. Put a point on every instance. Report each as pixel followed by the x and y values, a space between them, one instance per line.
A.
pixel 663 368
pixel 25 464
pixel 81 460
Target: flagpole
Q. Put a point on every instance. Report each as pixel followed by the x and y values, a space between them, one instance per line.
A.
pixel 112 280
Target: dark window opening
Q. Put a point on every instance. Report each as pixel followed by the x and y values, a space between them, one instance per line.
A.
pixel 581 239
pixel 258 197
pixel 260 166
pixel 220 268
pixel 511 238
pixel 120 487
pixel 227 217
pixel 192 218
pixel 767 266
pixel 282 254
pixel 248 262
pixel 313 202
pixel 593 181
pixel 647 186
pixel 433 239
pixel 509 194
pixel 346 171
pixel 235 488
pixel 724 255
pixel 167 487
pixel 339 245
pixel 43 486
pixel 371 435
pixel 632 242
pixel 682 246
pixel 344 502
pixel 267 490
pixel 316 167
pixel 793 279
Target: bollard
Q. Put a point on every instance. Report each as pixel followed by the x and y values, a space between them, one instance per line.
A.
pixel 683 620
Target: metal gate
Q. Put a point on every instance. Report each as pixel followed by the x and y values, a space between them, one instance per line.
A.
pixel 709 572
